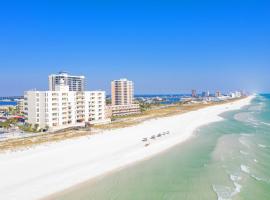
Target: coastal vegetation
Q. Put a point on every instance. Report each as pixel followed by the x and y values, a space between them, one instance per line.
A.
pixel 119 122
pixel 30 128
pixel 9 123
pixel 14 123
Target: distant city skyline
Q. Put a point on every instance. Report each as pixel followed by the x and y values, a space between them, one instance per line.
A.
pixel 163 47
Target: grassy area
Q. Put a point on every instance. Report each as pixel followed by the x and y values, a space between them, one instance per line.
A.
pixel 130 120
pixel 8 123
pixel 156 112
pixel 14 144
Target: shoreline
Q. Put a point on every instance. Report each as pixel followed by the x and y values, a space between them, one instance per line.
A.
pixel 30 140
pixel 71 161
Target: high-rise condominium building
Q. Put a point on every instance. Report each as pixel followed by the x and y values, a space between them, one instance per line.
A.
pixel 205 94
pixel 218 94
pixel 75 83
pixel 63 108
pixel 194 93
pixel 122 92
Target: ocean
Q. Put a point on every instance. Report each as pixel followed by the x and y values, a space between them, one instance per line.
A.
pixel 8 103
pixel 226 160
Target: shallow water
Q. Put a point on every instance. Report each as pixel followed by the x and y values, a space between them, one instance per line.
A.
pixel 226 160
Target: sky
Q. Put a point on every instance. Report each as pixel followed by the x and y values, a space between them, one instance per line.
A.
pixel 163 46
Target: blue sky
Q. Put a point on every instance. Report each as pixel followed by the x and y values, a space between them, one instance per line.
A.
pixel 164 46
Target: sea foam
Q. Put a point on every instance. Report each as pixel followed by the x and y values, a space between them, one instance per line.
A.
pixel 237 189
pixel 246 117
pixel 226 192
pixel 244 153
pixel 247 134
pixel 244 143
pixel 256 108
pixel 265 123
pixel 245 169
pixel 222 192
pixel 266 180
pixel 235 178
pixel 261 145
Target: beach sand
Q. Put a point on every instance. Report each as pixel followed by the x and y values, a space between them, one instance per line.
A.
pixel 49 168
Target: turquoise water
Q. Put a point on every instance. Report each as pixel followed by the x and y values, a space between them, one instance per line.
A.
pixel 226 160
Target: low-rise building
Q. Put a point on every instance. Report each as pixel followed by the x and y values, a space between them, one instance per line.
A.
pixel 5 109
pixel 123 110
pixel 20 105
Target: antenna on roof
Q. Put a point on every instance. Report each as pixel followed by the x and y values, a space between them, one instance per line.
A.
pixel 63 72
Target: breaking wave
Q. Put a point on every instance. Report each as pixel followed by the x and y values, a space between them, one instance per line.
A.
pixel 245 169
pixel 265 123
pixel 244 143
pixel 244 153
pixel 246 117
pixel 261 146
pixel 226 192
pixel 256 108
pixel 260 179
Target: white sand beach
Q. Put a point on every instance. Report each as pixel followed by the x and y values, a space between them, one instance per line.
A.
pixel 48 168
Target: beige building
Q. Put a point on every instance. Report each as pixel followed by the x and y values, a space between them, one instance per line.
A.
pixel 122 110
pixel 218 94
pixel 20 105
pixel 194 93
pixel 122 92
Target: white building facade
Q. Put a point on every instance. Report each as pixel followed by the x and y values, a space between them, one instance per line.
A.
pixel 75 83
pixel 235 94
pixel 63 108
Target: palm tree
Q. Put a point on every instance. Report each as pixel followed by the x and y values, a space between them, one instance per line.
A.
pixel 36 127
